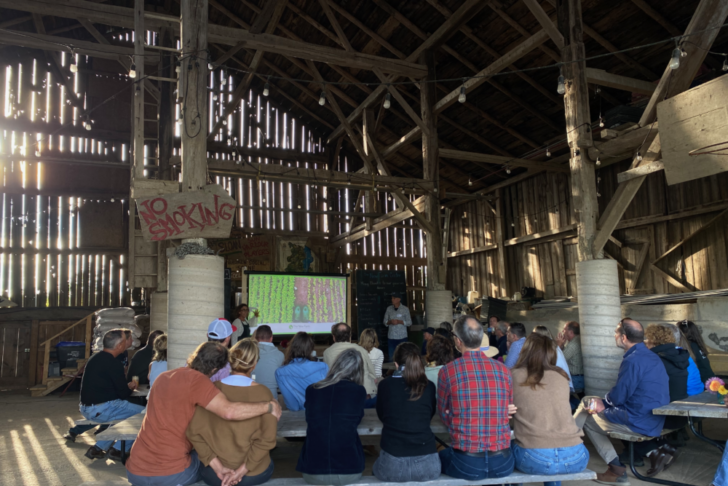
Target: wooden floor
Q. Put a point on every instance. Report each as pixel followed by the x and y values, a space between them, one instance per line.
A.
pixel 34 453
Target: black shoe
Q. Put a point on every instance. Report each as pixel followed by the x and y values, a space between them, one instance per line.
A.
pixel 94 452
pixel 115 455
pixel 624 459
pixel 70 436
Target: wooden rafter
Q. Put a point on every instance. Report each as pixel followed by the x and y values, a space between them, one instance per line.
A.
pixel 542 17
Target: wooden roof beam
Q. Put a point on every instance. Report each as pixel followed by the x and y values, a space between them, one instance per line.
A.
pixel 602 78
pixel 499 160
pixel 535 7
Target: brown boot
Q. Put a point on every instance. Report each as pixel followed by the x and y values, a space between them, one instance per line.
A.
pixel 616 475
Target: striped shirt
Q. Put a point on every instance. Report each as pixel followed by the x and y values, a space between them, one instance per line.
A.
pixel 572 353
pixel 473 394
pixel 402 313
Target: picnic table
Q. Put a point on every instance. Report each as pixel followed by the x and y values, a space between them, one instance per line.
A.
pixel 142 391
pixel 704 405
pixel 291 424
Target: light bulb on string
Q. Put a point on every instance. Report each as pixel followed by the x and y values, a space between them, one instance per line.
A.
pixel 561 86
pixel 601 121
pixel 322 98
pixel 73 68
pixel 470 182
pixel 676 55
pixel 508 170
pixel 132 71
pixel 548 152
pixel 638 157
pixel 462 97
pixel 210 66
pixel 598 162
pixel 387 101
pixel 266 88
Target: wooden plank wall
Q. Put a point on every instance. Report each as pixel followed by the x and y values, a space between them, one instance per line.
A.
pixel 543 204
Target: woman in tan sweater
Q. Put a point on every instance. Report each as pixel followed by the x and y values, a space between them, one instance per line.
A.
pixel 242 447
pixel 547 440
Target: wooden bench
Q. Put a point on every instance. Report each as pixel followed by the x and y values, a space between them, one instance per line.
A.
pixel 633 437
pixel 516 477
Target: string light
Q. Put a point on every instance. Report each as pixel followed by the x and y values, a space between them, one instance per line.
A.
pixel 73 68
pixel 387 101
pixel 322 98
pixel 677 53
pixel 266 88
pixel 470 182
pixel 638 157
pixel 561 86
pixel 508 170
pixel 601 121
pixel 598 162
pixel 462 97
pixel 548 152
pixel 132 71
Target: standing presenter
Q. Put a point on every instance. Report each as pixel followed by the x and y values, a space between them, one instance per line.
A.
pixel 243 323
pixel 397 319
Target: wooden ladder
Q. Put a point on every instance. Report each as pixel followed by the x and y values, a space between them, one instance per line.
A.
pixel 48 385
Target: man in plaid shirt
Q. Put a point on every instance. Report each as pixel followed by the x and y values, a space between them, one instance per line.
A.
pixel 473 397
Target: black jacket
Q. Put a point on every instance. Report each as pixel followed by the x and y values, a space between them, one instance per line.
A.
pixel 676 361
pixel 706 372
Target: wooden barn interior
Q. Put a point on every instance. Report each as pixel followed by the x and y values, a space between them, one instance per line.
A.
pixel 563 158
pixel 484 147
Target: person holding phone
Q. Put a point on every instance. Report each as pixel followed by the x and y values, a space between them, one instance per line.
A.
pixel 397 319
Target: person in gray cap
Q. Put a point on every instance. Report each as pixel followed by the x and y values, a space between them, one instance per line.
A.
pixel 397 319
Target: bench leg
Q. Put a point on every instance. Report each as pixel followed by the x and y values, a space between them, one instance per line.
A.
pixel 645 478
pixel 699 434
pixel 123 452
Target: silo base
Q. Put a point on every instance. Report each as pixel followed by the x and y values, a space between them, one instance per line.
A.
pixel 438 306
pixel 597 282
pixel 158 311
pixel 196 298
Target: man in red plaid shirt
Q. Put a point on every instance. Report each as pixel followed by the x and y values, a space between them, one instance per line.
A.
pixel 473 397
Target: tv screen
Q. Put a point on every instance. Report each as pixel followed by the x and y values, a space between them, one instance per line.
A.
pixel 290 303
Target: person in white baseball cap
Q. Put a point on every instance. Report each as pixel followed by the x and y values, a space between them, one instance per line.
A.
pixel 221 331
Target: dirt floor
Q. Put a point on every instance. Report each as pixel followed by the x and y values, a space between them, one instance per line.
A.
pixel 34 453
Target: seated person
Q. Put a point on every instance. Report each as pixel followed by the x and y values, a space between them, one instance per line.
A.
pixel 721 474
pixel 500 331
pixel 516 337
pixel 444 332
pixel 105 392
pixel 642 385
pixel 300 369
pixel 221 331
pixel 547 441
pixel 427 335
pixel 439 353
pixel 243 446
pixel 270 360
pixel 332 453
pixel 695 385
pixel 560 359
pixel 406 403
pixel 139 365
pixel 159 361
pixel 660 339
pixel 480 435
pixel 341 334
pixel 162 455
pixel 699 351
pixel 370 342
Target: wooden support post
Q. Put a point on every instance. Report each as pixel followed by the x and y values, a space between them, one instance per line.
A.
pixel 578 131
pixel 193 91
pixel 499 221
pixel 436 264
pixel 138 95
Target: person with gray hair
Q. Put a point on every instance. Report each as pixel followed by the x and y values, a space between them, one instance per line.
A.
pixel 332 453
pixel 104 392
pixel 501 335
pixel 474 397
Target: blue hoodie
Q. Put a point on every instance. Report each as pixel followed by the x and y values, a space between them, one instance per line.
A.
pixel 295 377
pixel 642 385
pixel 695 385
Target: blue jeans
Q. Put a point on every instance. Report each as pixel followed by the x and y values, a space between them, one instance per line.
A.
pixel 188 476
pixel 391 469
pixel 578 381
pixel 392 345
pixel 108 411
pixel 461 466
pixel 721 475
pixel 371 402
pixel 549 462
pixel 210 477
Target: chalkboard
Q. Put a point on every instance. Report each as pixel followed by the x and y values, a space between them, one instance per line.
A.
pixel 374 290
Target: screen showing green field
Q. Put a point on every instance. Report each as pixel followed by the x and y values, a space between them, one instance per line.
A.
pixel 293 303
